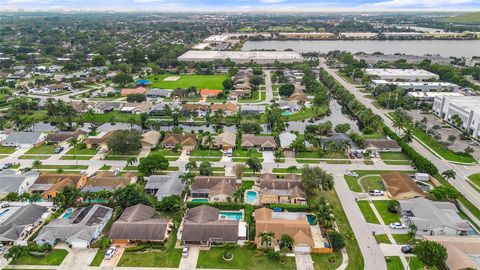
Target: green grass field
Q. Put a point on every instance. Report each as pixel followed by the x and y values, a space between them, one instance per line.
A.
pixel 55 257
pixel 394 263
pixel 326 261
pixel 39 157
pixel 367 212
pixel 393 156
pixel 475 178
pixel 372 182
pixel 467 18
pixel 382 208
pixel 6 150
pixel 42 149
pixel 97 260
pixel 185 81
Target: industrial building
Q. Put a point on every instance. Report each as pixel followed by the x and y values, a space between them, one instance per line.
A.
pixel 391 74
pixel 466 108
pixel 373 59
pixel 241 57
pixel 419 86
pixel 430 96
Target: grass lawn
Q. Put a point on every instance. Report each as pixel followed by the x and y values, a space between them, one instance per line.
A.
pixel 352 183
pixel 97 260
pixel 108 117
pixel 475 178
pixel 368 212
pixel 76 157
pixel 242 259
pixel 286 170
pixel 246 153
pixel 393 156
pixel 382 239
pixel 55 257
pixel 401 239
pixel 34 157
pixel 42 149
pixel 208 159
pixel 247 184
pixel 372 182
pixel 382 208
pixel 315 155
pixel 6 150
pixel 167 152
pixel 394 263
pixel 105 168
pixel 206 155
pixel 84 151
pixel 326 261
pixel 307 113
pixel 65 167
pixel 416 264
pixel 185 81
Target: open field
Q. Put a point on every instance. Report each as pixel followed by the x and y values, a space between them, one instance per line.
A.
pixel 185 81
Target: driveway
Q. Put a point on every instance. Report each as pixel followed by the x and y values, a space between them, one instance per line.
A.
pixel 190 262
pixel 115 259
pixel 268 156
pixel 304 261
pixel 78 258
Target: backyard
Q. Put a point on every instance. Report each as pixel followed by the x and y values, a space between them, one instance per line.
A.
pixel 185 81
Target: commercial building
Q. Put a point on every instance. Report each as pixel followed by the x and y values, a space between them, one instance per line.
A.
pixel 418 86
pixel 430 96
pixel 240 57
pixel 373 59
pixel 467 109
pixel 391 74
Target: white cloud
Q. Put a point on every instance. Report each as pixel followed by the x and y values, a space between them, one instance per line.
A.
pixel 420 3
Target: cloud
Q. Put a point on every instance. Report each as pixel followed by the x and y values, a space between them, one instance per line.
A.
pixel 399 4
pixel 272 1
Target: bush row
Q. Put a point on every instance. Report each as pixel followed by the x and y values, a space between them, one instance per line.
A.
pixel 290 207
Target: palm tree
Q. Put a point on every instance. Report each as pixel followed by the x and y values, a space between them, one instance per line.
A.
pixel 59 171
pixel 191 165
pixel 397 124
pixel 407 136
pixel 449 174
pixel 36 164
pixel 266 238
pixel 286 240
pixel 324 214
pixel 187 178
pixel 35 197
pixel 74 144
pixel 131 161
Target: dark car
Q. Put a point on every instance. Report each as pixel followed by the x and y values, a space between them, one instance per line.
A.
pixel 58 150
pixel 407 249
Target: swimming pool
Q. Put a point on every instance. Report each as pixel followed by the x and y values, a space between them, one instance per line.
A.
pixel 231 215
pixel 68 213
pixel 4 212
pixel 311 219
pixel 251 197
pixel 199 200
pixel 287 113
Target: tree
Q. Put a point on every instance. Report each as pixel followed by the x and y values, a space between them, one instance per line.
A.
pixel 59 171
pixel 336 240
pixel 170 203
pixel 398 123
pixel 412 231
pixel 431 253
pixel 286 90
pixel 228 84
pixel 342 128
pixel 191 166
pixel 205 168
pixel 12 197
pixel 316 178
pixel 16 252
pixel 449 174
pixel 98 61
pixel 68 197
pixel 238 169
pixel 73 143
pixel 298 145
pixel 469 150
pixel 130 195
pixel 266 238
pixel 125 141
pixel 122 79
pixel 457 121
pixel 187 178
pixel 287 241
pixel 152 163
pixel 324 213
pixel 451 138
pixel 254 164
pixel 443 193
pixel 36 164
pixel 136 98
pixel 407 136
pixel 131 161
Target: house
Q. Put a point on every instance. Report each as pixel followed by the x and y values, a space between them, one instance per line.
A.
pixel 462 251
pixel 196 110
pixel 81 106
pixel 108 181
pixel 210 93
pixel 294 224
pixel 11 181
pixel 164 185
pixel 239 93
pixel 227 109
pixel 287 190
pixel 202 225
pixel 58 87
pixel 130 91
pixel 150 139
pixel 136 108
pixel 187 141
pixel 225 140
pixel 336 140
pixel 98 141
pixel 48 185
pixel 158 93
pixel 382 145
pixel 401 186
pixel 261 142
pixel 289 106
pixel 298 97
pixel 252 109
pixel 24 139
pixel 104 107
pixel 434 217
pixel 286 139
pixel 138 223
pixel 214 188
pixel 183 93
pixel 17 222
pixel 76 227
pixel 158 109
pixel 64 136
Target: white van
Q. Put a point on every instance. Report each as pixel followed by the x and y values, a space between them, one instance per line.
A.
pixel 375 192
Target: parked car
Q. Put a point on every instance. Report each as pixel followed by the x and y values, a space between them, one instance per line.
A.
pixel 110 252
pixel 58 150
pixel 7 165
pixel 185 251
pixel 2 249
pixel 354 174
pixel 358 154
pixel 397 225
pixel 375 192
pixel 407 249
pixel 351 155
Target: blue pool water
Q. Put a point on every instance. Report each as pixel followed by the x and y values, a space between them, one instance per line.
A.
pixel 286 113
pixel 311 219
pixel 251 197
pixel 68 213
pixel 4 212
pixel 231 215
pixel 200 200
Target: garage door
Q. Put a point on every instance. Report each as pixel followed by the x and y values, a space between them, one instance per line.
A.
pixel 301 249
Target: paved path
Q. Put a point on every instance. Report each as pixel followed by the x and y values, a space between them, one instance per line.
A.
pixel 303 261
pixel 268 87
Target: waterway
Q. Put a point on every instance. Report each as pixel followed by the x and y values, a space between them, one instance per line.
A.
pixel 445 48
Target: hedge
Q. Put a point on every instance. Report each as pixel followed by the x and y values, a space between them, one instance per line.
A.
pixel 290 207
pixel 422 164
pixel 218 205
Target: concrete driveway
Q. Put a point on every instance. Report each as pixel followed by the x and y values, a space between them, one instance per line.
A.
pixel 78 258
pixel 115 259
pixel 304 261
pixel 268 156
pixel 190 262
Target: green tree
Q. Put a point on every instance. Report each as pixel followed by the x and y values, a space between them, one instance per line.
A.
pixel 170 203
pixel 131 161
pixel 205 168
pixel 228 84
pixel 254 164
pixel 73 143
pixel 130 195
pixel 124 141
pixel 336 240
pixel 191 166
pixel 286 90
pixel 136 98
pixel 122 79
pixel 412 231
pixel 314 178
pixel 342 128
pixel 431 253
pixel 407 136
pixel 152 163
pixel 16 252
pixel 67 197
pixel 187 178
pixel 59 171
pixel 287 241
pixel 449 174
pixel 98 61
pixel 37 164
pixel 12 197
pixel 266 238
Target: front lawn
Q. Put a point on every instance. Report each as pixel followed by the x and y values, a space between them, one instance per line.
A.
pixel 188 80
pixel 352 183
pixel 393 156
pixel 243 258
pixel 387 216
pixel 394 263
pixel 382 239
pixel 372 182
pixel 367 212
pixel 7 150
pixel 206 155
pixel 402 239
pixel 82 151
pixel 65 167
pixel 246 153
pixel 326 261
pixel 98 259
pixel 55 257
pixel 76 157
pixel 36 157
pixel 167 152
pixel 315 155
pixel 42 149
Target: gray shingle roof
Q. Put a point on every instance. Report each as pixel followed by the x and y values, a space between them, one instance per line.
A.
pixel 22 138
pixel 11 228
pixel 166 185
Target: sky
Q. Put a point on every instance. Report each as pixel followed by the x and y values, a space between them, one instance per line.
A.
pixel 244 5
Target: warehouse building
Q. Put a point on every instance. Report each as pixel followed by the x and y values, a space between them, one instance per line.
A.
pixel 418 86
pixel 240 57
pixel 411 75
pixel 466 108
pixel 430 96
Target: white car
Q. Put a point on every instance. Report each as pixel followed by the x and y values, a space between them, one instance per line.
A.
pixel 397 225
pixel 110 252
pixel 375 192
pixel 185 251
pixel 354 174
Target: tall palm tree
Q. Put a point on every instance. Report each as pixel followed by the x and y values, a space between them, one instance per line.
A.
pixel 407 136
pixel 36 164
pixel 266 238
pixel 397 123
pixel 187 178
pixel 131 161
pixel 74 143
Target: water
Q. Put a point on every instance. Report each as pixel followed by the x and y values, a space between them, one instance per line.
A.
pixel 251 197
pixel 67 214
pixel 311 219
pixel 231 215
pixel 199 200
pixel 446 48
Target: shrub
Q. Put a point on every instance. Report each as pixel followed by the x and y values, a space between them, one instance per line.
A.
pixel 273 255
pixel 251 245
pixel 336 240
pixel 393 206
